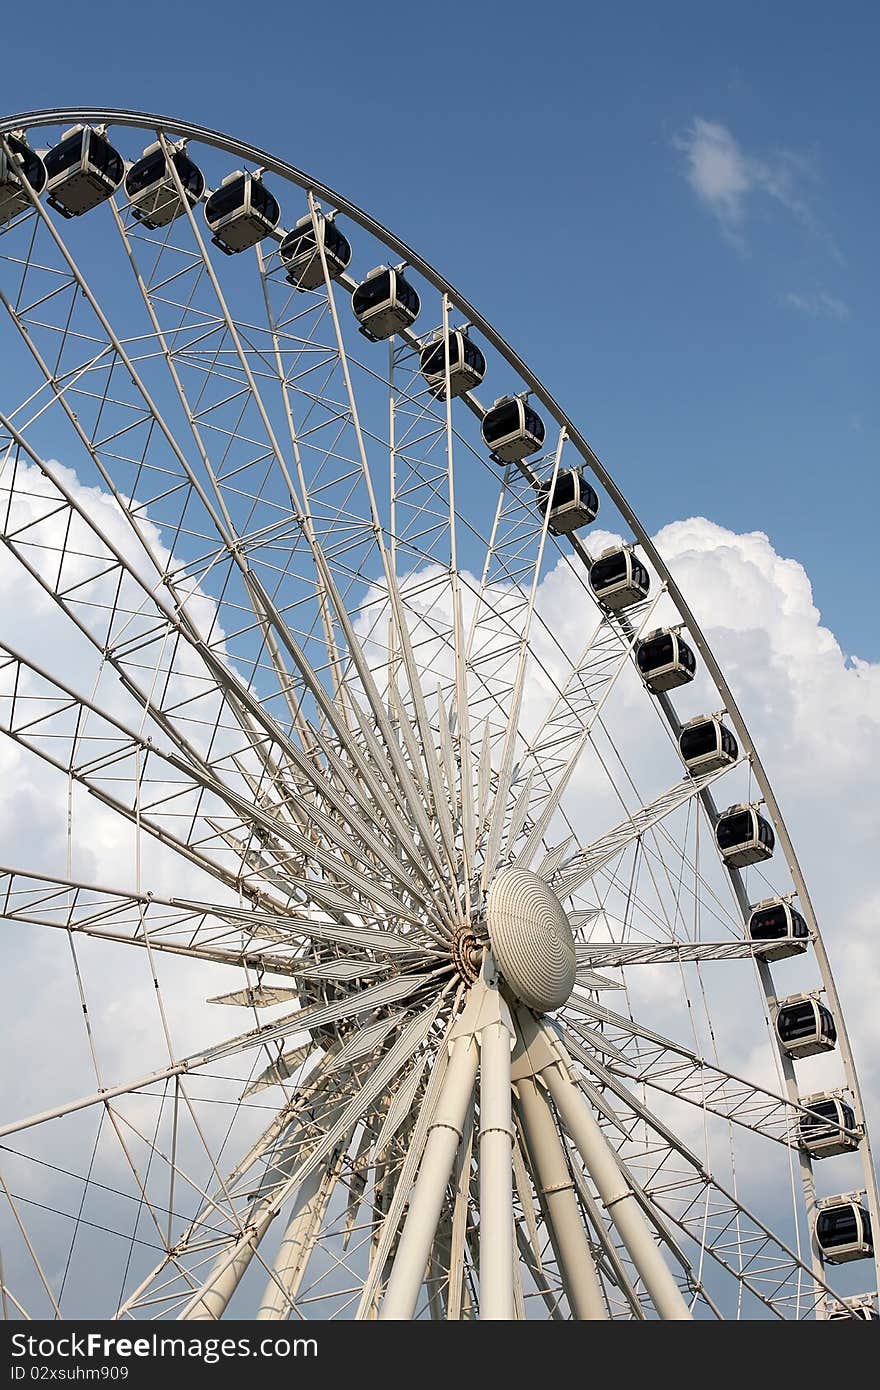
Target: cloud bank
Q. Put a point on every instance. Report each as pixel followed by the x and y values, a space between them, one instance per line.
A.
pixel 813 710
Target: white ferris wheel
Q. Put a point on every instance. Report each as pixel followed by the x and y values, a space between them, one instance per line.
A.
pixel 409 928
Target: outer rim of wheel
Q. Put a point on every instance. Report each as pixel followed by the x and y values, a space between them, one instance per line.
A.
pixel 270 163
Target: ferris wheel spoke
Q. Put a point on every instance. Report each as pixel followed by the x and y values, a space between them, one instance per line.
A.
pixel 392 747
pixel 47 1287
pixel 769 1269
pixel 131 629
pixel 269 535
pixel 303 1115
pixel 626 953
pixel 304 1020
pixel 389 769
pixel 505 773
pixel 212 1297
pixel 422 725
pixel 216 517
pixel 50 725
pixel 558 745
pixel 167 925
pixel 75 736
pixel 594 857
pixel 667 1066
pixel 340 688
pixel 516 543
pixel 297 925
pixel 148 413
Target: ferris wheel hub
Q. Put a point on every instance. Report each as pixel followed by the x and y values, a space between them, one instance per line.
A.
pixel 531 939
pixel 467 952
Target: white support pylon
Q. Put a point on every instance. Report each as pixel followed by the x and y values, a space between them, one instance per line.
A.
pixel 209 1303
pixel 617 1196
pixel 290 1262
pixel 559 1204
pixel 496 1158
pixel 444 1136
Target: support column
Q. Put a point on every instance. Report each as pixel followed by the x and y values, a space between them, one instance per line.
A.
pixel 496 1175
pixel 296 1244
pixel 559 1203
pixel 444 1137
pixel 617 1196
pixel 208 1304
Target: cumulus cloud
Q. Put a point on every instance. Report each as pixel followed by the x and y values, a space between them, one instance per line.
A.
pixel 813 711
pixel 815 716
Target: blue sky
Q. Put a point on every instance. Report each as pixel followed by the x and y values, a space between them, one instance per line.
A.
pixel 669 210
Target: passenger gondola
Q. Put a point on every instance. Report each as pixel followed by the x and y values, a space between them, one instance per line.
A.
pixel 777 929
pixel 241 212
pixel 843 1230
pixel 467 365
pixel 744 836
pixel 385 303
pixel 152 191
pixel 512 430
pixel 862 1308
pixel 82 171
pixel 20 163
pixel 823 1132
pixel 805 1027
pixel 706 744
pixel 665 660
pixel 300 251
pixel 571 502
pixel 619 579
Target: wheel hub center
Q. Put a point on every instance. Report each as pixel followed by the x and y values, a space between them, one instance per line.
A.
pixel 467 954
pixel 531 939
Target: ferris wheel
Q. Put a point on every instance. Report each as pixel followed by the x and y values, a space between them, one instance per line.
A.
pixel 331 707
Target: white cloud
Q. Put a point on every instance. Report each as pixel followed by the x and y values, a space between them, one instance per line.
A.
pixel 731 182
pixel 814 714
pixel 817 304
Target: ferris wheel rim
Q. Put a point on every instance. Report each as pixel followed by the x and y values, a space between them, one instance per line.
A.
pixel 149 121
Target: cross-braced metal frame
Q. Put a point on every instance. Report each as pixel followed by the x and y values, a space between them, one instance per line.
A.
pixel 330 673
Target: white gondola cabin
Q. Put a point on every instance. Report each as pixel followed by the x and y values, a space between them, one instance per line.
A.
pixel 22 164
pixel 744 836
pixel 805 1027
pixel 665 660
pixel 151 188
pixel 82 171
pixel 570 501
pixel 512 430
pixel 241 212
pixel 706 744
pixel 467 365
pixel 843 1230
pixel 830 1127
pixel 619 579
pixel 777 929
pixel 862 1308
pixel 385 303
pixel 300 252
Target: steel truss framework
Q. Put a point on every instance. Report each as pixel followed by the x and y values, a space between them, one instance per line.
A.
pixel 328 672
